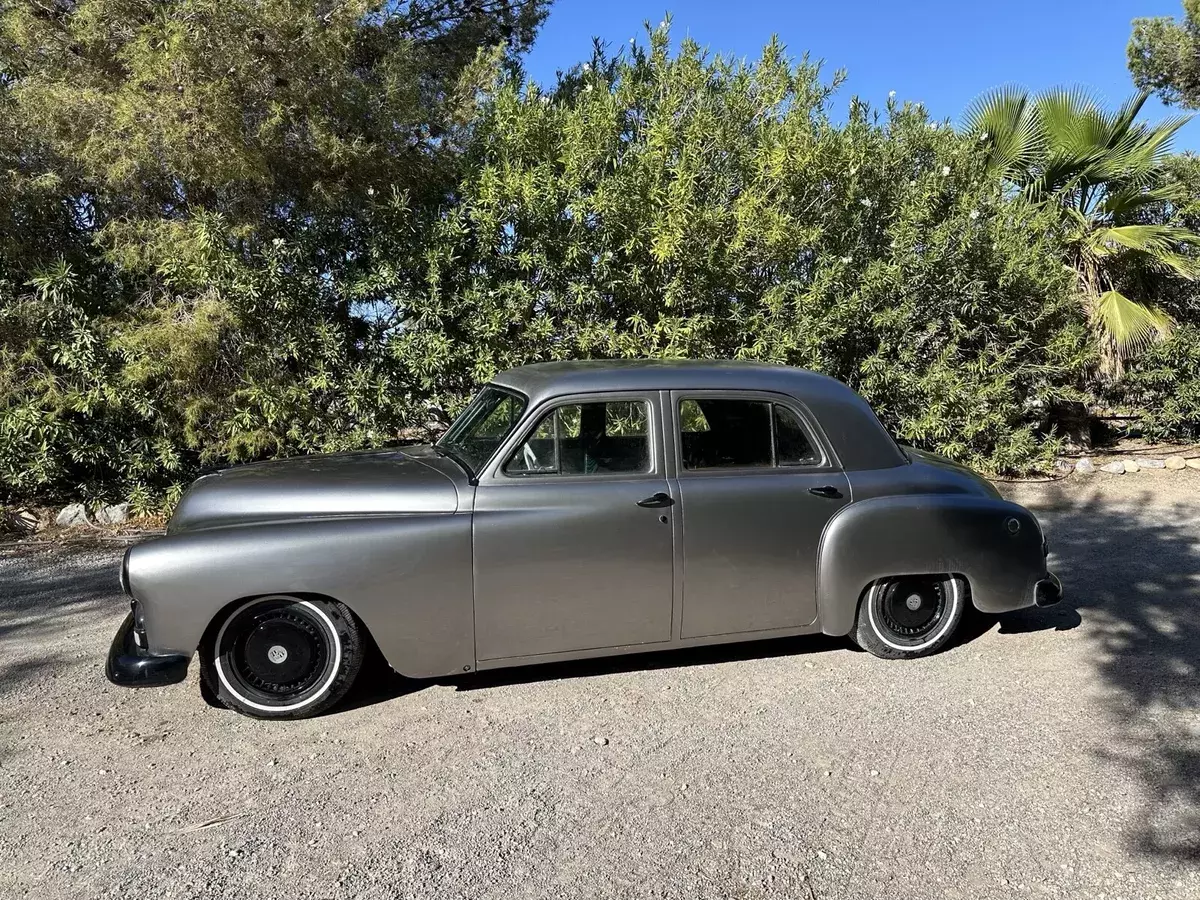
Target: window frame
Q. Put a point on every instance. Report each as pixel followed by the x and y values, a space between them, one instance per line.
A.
pixel 497 469
pixel 474 473
pixel 826 461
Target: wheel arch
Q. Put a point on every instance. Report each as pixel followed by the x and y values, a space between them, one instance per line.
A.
pixel 214 623
pixel 970 536
pixel 406 579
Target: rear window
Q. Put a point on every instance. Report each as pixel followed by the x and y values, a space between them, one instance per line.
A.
pixel 718 433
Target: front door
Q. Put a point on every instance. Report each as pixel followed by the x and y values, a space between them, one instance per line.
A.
pixel 573 533
pixel 756 488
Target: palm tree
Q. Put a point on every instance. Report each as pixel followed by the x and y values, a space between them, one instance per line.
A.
pixel 1105 172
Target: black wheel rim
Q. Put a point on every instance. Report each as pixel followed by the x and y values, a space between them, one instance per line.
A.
pixel 276 652
pixel 909 610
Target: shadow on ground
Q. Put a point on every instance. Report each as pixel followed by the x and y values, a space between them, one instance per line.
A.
pixel 37 590
pixel 1132 573
pixel 1132 576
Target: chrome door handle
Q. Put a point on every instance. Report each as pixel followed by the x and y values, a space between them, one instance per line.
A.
pixel 656 501
pixel 827 490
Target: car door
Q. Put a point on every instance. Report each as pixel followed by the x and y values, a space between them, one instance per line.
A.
pixel 757 485
pixel 573 532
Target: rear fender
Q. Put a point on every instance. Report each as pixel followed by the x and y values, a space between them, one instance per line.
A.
pixel 995 544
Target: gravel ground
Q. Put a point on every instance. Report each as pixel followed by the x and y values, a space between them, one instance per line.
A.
pixel 1050 754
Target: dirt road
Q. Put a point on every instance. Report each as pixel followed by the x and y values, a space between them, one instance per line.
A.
pixel 1049 754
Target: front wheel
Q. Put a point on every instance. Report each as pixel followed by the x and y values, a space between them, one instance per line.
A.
pixel 282 657
pixel 910 616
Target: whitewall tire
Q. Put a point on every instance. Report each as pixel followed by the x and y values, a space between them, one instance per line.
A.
pixel 281 656
pixel 910 616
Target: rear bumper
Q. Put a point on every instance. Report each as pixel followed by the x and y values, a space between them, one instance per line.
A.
pixel 1048 591
pixel 130 664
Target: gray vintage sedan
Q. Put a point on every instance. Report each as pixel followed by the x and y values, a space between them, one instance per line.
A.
pixel 575 509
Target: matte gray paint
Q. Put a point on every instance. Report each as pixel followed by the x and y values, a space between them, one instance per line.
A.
pixel 376 482
pixel 917 534
pixel 407 577
pixel 858 439
pixel 570 567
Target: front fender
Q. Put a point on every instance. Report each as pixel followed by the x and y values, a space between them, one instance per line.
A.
pixel 408 578
pixel 917 534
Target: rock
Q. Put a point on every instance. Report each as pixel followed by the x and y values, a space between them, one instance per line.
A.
pixel 1131 467
pixel 1151 463
pixel 1193 463
pixel 117 514
pixel 1175 462
pixel 1116 468
pixel 1085 466
pixel 601 740
pixel 71 516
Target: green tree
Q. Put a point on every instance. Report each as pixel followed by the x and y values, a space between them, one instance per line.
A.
pixel 192 194
pixel 1164 56
pixel 669 205
pixel 1099 171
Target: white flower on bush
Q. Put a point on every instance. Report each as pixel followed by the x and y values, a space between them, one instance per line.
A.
pixel 945 170
pixel 974 214
pixel 865 202
pixel 370 192
pixel 983 137
pixel 847 259
pixel 933 125
pixel 891 95
pixel 853 169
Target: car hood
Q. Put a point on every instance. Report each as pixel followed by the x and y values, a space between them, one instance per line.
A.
pixel 373 482
pixel 969 481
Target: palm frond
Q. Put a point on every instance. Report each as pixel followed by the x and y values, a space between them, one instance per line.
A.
pixel 1124 117
pixel 1159 242
pixel 1074 123
pixel 1129 325
pixel 1003 119
pixel 1130 198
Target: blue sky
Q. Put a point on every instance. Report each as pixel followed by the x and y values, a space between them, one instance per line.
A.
pixel 940 52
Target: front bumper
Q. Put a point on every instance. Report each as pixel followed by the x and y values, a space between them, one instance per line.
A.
pixel 130 664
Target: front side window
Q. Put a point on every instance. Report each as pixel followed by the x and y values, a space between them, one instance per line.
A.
pixel 587 439
pixel 482 427
pixel 721 433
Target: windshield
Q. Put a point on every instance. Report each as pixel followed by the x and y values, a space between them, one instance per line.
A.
pixel 482 427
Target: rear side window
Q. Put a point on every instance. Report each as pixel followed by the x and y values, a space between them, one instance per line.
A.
pixel 722 433
pixel 587 439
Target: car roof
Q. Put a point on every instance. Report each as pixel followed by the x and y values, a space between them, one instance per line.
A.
pixel 858 438
pixel 582 376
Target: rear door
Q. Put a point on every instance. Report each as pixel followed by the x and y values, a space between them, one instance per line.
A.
pixel 757 485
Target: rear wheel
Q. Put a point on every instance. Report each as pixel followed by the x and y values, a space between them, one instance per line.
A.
pixel 911 615
pixel 282 657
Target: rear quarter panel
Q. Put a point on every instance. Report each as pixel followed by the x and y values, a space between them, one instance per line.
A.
pixel 914 534
pixel 408 578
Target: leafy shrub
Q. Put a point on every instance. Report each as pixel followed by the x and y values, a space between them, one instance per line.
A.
pixel 656 204
pixel 1165 386
pixel 686 207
